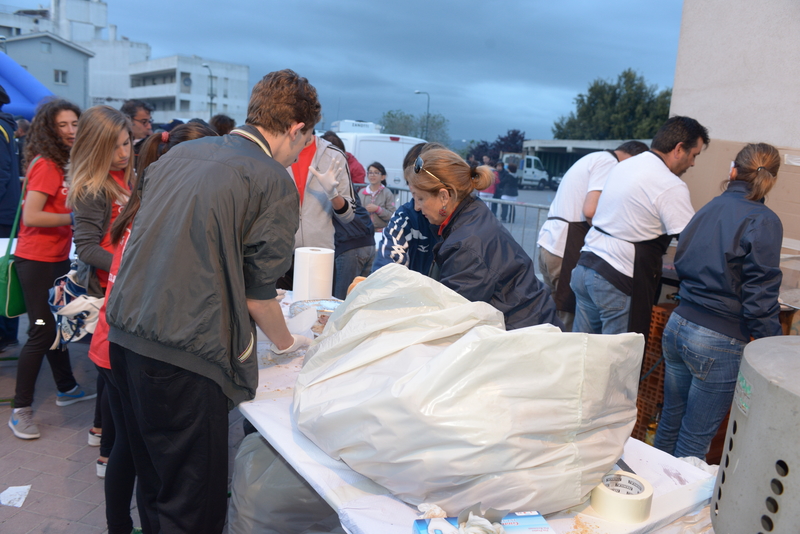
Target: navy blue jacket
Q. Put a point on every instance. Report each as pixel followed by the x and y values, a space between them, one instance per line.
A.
pixel 407 239
pixel 9 170
pixel 357 233
pixel 480 260
pixel 728 264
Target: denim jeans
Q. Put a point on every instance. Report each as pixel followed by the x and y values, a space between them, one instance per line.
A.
pixel 601 307
pixel 701 371
pixel 349 264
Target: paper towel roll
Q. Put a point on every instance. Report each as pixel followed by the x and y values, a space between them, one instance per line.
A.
pixel 623 497
pixel 313 273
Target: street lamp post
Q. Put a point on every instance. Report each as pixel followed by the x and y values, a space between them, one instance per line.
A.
pixel 211 94
pixel 427 110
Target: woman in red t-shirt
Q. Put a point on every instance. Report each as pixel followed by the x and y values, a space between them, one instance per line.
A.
pixel 42 255
pixel 100 172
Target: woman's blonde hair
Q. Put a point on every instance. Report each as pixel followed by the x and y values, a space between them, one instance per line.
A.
pixel 447 170
pixel 93 152
pixel 758 164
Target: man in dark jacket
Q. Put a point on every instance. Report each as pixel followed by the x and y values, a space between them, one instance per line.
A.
pixel 354 241
pixel 214 232
pixel 9 201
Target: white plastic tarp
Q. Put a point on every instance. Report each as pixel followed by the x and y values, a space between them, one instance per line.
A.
pixel 426 393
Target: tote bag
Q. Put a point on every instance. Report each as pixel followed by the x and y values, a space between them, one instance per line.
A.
pixel 11 298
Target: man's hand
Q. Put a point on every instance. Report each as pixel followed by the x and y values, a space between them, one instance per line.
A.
pixel 328 179
pixel 299 343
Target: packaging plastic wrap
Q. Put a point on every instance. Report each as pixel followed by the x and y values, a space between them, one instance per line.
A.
pixel 425 393
pixel 269 497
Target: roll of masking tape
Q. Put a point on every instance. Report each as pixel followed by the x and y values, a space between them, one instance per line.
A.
pixel 623 497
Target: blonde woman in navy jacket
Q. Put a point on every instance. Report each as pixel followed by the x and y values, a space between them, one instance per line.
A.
pixel 728 265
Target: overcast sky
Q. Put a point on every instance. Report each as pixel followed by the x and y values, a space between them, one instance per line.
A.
pixel 489 66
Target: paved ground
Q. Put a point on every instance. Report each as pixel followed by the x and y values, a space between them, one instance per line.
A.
pixel 66 496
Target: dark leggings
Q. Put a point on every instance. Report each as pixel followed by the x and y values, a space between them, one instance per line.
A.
pixel 102 416
pixel 121 472
pixel 36 279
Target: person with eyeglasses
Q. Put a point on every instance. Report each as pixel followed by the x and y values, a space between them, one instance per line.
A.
pixel 477 257
pixel 376 197
pixel 141 123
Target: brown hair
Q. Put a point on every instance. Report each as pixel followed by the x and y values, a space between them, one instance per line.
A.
pixel 418 149
pixel 758 164
pixel 450 172
pixel 282 98
pixel 43 138
pixel 222 124
pixel 153 148
pixel 93 153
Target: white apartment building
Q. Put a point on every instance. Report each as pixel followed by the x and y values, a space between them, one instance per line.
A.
pixel 121 69
pixel 188 87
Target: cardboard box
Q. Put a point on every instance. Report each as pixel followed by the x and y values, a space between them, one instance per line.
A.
pixel 513 523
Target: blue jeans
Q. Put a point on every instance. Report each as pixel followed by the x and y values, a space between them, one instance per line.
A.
pixel 601 307
pixel 349 264
pixel 701 371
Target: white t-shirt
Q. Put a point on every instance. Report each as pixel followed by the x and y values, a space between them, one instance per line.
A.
pixel 587 174
pixel 642 200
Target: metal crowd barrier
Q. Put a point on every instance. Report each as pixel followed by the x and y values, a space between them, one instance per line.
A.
pixel 524 225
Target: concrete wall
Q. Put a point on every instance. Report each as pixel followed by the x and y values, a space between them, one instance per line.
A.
pixel 109 81
pixel 738 73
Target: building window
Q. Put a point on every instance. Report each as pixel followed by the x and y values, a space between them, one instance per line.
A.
pixel 184 105
pixel 60 77
pixel 47 48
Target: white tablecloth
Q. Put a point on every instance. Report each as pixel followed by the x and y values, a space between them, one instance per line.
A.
pixel 365 507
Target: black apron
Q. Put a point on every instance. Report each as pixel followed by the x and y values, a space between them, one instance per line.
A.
pixel 647 265
pixel 563 295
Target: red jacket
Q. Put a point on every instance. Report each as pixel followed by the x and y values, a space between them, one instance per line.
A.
pixel 357 172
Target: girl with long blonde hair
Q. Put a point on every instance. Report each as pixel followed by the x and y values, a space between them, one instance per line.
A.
pixel 100 175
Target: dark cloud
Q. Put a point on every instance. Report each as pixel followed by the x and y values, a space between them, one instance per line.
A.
pixel 489 66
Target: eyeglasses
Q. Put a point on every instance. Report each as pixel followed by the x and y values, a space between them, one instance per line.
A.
pixel 418 167
pixel 143 122
pixel 374 173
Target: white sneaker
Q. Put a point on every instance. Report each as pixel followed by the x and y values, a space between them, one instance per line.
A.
pixel 101 468
pixel 94 439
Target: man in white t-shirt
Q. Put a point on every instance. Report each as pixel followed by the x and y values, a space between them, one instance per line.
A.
pixel 644 202
pixel 568 220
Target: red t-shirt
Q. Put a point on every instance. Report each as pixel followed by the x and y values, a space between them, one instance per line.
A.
pixel 98 350
pixel 46 244
pixel 116 209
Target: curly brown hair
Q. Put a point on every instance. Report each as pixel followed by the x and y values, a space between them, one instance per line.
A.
pixel 281 98
pixel 43 138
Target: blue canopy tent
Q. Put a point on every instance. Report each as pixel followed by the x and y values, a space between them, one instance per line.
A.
pixel 23 89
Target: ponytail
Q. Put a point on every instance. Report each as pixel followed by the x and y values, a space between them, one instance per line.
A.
pixel 153 148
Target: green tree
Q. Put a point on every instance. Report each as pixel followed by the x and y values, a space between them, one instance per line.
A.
pixel 436 129
pixel 399 122
pixel 627 109
pixel 510 142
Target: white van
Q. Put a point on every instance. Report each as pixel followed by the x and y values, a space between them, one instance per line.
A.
pixel 388 150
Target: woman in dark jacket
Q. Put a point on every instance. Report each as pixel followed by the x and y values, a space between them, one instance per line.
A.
pixel 728 265
pixel 477 257
pixel 509 190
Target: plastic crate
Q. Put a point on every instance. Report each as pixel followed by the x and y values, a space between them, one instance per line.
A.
pixel 651 389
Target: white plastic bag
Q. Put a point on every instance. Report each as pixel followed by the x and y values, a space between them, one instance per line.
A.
pixel 428 395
